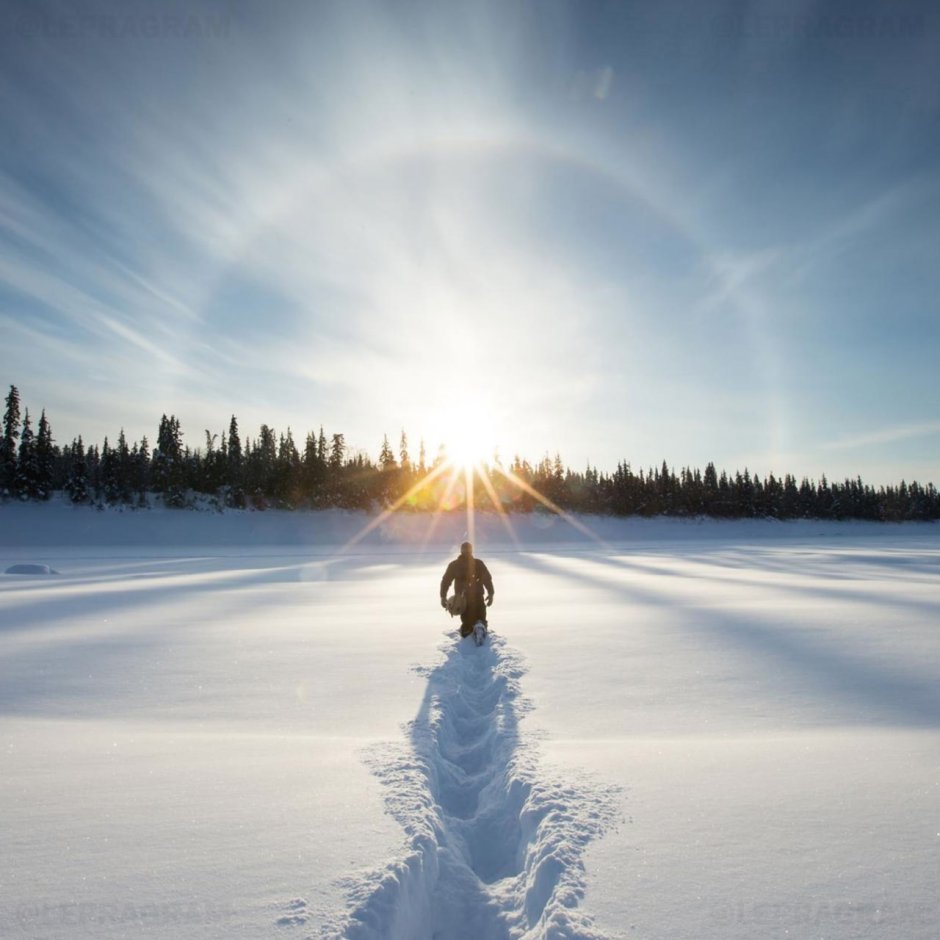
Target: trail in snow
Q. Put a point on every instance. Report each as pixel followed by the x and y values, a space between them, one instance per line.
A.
pixel 495 849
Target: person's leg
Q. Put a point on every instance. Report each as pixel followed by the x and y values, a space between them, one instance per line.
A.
pixel 476 609
pixel 480 627
pixel 466 622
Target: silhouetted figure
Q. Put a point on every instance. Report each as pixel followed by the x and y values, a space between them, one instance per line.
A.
pixel 470 577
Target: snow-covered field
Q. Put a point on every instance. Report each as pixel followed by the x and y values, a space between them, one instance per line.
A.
pixel 240 725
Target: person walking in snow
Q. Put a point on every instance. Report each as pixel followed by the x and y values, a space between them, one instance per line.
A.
pixel 470 577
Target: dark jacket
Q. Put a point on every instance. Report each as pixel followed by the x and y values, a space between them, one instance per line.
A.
pixel 467 574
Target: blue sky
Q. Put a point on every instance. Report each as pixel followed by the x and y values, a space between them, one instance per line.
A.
pixel 644 231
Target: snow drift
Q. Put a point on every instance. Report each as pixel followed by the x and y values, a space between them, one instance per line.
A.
pixel 29 568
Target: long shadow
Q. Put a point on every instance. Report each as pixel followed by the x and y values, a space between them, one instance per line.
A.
pixel 77 647
pixel 887 696
pixel 924 564
pixel 841 593
pixel 94 669
pixel 52 601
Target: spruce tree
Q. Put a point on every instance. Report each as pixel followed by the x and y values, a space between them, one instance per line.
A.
pixel 27 465
pixel 93 461
pixel 45 458
pixel 140 479
pixel 337 452
pixel 168 462
pixel 77 484
pixel 160 460
pixel 110 485
pixel 314 467
pixel 234 453
pixel 386 457
pixel 123 469
pixel 403 452
pixel 11 433
pixel 235 495
pixel 308 472
pixel 211 470
pixel 710 488
pixel 264 461
pixel 287 471
pixel 334 491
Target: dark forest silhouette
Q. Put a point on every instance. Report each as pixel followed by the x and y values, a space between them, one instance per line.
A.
pixel 272 471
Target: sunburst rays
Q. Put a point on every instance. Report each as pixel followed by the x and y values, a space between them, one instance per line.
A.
pixel 445 478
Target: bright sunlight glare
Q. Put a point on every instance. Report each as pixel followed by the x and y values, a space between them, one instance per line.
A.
pixel 467 428
pixel 469 440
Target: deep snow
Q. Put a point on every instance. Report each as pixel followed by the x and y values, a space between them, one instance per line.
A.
pixel 242 725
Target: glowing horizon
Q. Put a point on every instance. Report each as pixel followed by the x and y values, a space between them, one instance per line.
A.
pixel 469 473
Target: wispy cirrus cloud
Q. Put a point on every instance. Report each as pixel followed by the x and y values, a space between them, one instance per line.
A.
pixel 885 435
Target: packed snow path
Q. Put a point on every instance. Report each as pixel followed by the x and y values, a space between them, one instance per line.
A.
pixel 494 851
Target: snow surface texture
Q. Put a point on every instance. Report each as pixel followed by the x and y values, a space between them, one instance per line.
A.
pixel 695 729
pixel 495 849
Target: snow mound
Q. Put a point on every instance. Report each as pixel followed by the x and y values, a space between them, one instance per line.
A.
pixel 494 851
pixel 30 569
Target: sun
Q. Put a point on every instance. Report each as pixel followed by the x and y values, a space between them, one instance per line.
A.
pixel 468 445
pixel 469 439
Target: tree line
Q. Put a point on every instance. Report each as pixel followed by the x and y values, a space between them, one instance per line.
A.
pixel 272 471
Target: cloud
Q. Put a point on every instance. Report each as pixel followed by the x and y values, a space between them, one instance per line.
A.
pixel 873 216
pixel 888 435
